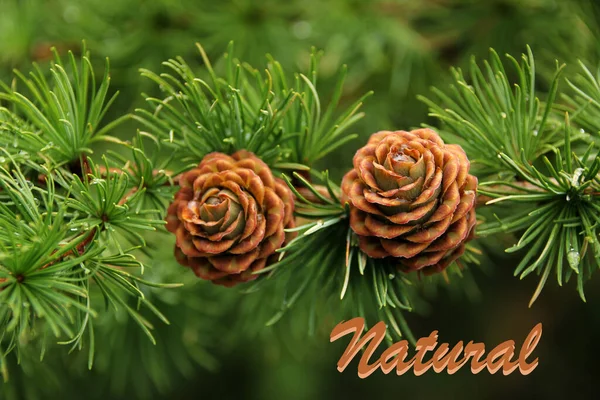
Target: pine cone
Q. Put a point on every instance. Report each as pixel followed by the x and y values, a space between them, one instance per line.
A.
pixel 411 197
pixel 229 217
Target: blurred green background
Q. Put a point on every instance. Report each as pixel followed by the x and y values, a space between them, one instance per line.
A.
pixel 398 49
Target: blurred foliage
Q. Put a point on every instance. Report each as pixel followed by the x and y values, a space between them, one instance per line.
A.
pixel 398 48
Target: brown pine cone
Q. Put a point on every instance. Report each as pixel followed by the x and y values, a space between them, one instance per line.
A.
pixel 412 198
pixel 229 217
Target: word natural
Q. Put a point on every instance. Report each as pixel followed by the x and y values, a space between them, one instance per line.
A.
pixel 500 358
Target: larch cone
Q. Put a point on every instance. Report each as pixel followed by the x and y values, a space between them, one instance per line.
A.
pixel 411 198
pixel 229 217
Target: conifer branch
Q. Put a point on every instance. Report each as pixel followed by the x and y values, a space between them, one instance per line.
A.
pixel 278 120
pixel 63 223
pixel 552 187
pixel 488 115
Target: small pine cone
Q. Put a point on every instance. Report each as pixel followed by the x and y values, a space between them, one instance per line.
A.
pixel 229 217
pixel 412 198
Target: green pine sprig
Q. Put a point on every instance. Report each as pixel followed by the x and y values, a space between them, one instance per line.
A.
pixel 244 108
pixel 110 204
pixel 64 111
pixel 583 103
pixel 533 161
pixel 558 214
pixel 488 114
pixel 65 220
pixel 320 129
pixel 151 169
